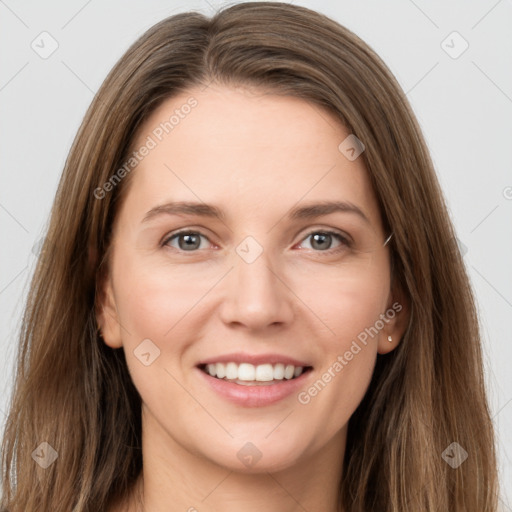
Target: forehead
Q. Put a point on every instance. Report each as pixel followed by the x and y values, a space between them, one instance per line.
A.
pixel 250 151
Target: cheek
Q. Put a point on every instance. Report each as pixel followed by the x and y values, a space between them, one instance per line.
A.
pixel 145 307
pixel 351 308
pixel 154 303
pixel 353 314
pixel 347 302
pixel 153 299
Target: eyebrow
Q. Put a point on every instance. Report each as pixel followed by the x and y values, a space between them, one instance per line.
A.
pixel 308 211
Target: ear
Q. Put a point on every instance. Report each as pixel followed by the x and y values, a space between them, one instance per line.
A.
pixel 396 317
pixel 106 313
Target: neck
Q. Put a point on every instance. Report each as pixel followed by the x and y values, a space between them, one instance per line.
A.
pixel 176 480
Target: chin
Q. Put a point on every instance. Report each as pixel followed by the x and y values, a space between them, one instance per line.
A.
pixel 258 456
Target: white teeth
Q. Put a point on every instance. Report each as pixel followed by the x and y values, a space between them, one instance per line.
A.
pixel 279 371
pixel 264 372
pixel 245 372
pixel 249 372
pixel 231 371
pixel 288 371
pixel 220 370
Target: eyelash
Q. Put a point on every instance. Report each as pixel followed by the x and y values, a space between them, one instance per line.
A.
pixel 345 242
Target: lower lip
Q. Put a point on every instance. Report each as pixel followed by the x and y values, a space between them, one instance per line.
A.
pixel 255 396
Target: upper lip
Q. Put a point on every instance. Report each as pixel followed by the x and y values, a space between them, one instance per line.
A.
pixel 254 359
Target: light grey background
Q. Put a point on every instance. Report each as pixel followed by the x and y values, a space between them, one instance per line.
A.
pixel 464 106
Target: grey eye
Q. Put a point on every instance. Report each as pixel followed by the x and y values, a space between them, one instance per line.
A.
pixel 187 241
pixel 323 240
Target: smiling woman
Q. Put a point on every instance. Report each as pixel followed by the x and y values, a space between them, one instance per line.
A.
pixel 266 309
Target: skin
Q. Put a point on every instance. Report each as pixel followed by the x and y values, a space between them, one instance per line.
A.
pixel 255 156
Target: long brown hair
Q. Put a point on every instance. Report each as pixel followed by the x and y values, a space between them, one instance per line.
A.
pixel 75 393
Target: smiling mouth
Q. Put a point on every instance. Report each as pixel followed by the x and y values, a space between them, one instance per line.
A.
pixel 247 374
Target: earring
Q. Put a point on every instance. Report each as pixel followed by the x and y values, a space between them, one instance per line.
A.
pixel 390 338
pixel 99 332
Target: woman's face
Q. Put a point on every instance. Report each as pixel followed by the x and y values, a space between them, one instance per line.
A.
pixel 249 235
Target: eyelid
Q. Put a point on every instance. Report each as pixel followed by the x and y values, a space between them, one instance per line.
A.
pixel 330 231
pixel 173 234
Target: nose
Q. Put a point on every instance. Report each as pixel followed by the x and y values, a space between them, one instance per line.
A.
pixel 257 296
